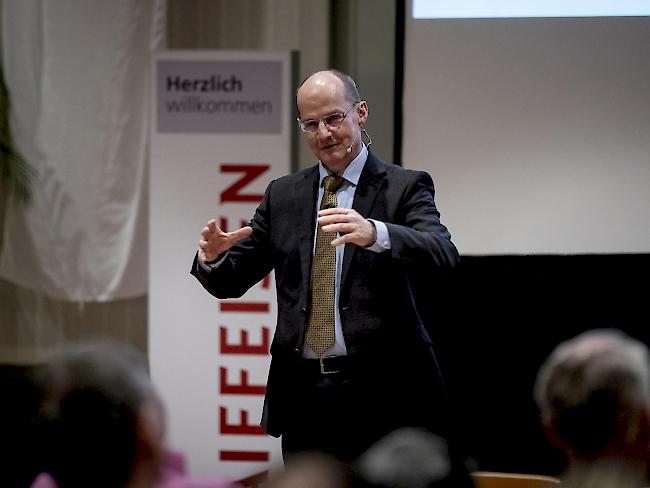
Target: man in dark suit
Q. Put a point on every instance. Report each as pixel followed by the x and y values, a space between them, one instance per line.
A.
pixel 351 356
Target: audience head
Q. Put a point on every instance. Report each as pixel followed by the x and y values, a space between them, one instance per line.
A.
pixel 101 421
pixel 410 458
pixel 593 393
pixel 312 470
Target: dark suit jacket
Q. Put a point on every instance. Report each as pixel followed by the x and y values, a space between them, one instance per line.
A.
pixel 378 299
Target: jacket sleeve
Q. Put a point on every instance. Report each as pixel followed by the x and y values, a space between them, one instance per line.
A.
pixel 246 263
pixel 420 237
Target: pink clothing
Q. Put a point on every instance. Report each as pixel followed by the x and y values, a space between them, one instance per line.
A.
pixel 173 476
pixel 44 480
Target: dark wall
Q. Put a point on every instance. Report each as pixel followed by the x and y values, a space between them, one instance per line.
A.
pixel 494 321
pixel 18 404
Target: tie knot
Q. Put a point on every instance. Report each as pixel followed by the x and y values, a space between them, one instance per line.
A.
pixel 332 183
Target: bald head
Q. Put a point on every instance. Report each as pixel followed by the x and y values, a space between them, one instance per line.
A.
pixel 327 77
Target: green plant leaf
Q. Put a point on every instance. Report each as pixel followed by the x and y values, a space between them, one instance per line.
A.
pixel 16 175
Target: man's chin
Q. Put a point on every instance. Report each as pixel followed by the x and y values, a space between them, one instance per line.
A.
pixel 334 156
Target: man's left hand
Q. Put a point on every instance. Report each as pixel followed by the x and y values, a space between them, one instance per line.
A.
pixel 351 227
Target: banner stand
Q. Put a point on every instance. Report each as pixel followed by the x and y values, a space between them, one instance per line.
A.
pixel 222 129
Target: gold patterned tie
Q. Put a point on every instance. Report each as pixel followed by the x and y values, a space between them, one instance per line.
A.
pixel 320 331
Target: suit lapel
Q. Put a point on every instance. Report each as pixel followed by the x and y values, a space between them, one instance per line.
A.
pixel 306 193
pixel 370 183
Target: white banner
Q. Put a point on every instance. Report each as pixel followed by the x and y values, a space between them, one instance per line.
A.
pixel 221 132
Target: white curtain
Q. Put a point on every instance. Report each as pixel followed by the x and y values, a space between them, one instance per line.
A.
pixel 77 72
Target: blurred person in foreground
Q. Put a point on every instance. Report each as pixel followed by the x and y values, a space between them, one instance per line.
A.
pixel 593 393
pixel 101 424
pixel 311 470
pixel 411 458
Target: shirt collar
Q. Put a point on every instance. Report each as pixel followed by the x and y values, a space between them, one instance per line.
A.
pixel 352 173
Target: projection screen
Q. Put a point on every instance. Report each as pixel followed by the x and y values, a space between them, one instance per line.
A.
pixel 535 130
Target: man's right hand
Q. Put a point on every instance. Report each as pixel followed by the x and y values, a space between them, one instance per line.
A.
pixel 215 241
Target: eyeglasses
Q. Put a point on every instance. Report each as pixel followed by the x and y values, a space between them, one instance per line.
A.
pixel 331 121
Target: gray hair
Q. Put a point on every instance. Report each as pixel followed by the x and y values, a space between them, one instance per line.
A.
pixel 406 458
pixel 592 389
pixel 351 91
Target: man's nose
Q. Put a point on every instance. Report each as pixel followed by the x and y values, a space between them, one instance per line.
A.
pixel 323 130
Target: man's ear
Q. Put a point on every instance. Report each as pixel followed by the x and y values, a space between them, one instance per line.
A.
pixel 362 112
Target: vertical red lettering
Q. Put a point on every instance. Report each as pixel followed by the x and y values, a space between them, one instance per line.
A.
pixel 254 307
pixel 242 428
pixel 243 456
pixel 244 347
pixel 241 190
pixel 233 192
pixel 243 388
pixel 266 281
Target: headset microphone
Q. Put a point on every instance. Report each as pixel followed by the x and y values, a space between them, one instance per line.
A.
pixel 349 149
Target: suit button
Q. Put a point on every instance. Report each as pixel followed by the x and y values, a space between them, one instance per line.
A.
pixel 303 310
